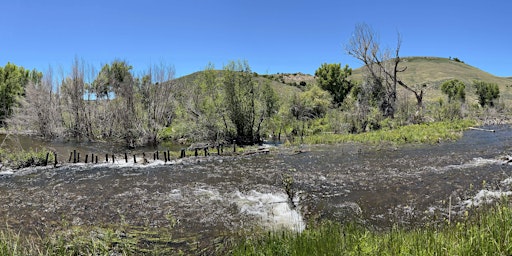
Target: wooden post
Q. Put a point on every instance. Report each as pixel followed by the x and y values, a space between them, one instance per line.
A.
pixel 206 151
pixel 157 156
pixel 86 158
pixel 154 156
pixel 106 158
pixel 74 156
pixel 168 156
pixel 195 152
pixel 92 158
pixel 70 156
pixel 96 159
pixel 165 157
pixel 234 146
pixel 218 150
pixel 126 157
pixel 78 157
pixel 55 159
pixel 113 159
pixel 46 161
pixel 134 159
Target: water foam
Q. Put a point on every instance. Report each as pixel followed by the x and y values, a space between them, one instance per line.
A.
pixel 272 209
pixel 475 162
pixel 485 197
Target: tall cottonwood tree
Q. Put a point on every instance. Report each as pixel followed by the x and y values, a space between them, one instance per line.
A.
pixel 247 103
pixel 116 81
pixel 210 109
pixel 155 91
pixel 240 99
pixel 382 66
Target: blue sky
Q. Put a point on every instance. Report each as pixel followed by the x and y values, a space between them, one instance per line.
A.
pixel 273 36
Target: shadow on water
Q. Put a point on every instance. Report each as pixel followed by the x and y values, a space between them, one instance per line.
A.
pixel 210 196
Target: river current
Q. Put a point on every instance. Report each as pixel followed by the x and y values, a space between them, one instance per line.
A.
pixel 207 197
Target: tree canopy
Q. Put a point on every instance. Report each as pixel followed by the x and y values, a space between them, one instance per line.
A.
pixel 454 89
pixel 333 79
pixel 13 80
pixel 486 92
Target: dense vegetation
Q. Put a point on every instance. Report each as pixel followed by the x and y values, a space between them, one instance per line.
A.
pixel 224 105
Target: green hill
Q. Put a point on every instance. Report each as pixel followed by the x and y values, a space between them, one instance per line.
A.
pixel 283 88
pixel 433 71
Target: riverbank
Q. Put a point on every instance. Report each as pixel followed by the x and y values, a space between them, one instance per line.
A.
pixel 430 133
pixel 483 232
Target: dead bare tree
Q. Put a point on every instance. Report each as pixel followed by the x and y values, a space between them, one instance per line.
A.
pixel 381 66
pixel 39 109
pixel 73 91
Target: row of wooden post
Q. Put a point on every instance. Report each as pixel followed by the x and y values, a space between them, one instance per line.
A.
pixel 75 156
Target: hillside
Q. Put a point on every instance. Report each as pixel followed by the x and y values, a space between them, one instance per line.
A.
pixel 433 71
pixel 283 88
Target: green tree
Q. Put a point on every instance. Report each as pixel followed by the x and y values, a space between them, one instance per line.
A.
pixel 333 79
pixel 117 80
pixel 240 93
pixel 269 106
pixel 486 92
pixel 209 108
pixel 311 104
pixel 13 80
pixel 455 89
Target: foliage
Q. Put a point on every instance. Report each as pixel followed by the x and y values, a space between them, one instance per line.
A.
pixel 26 158
pixel 311 104
pixel 486 92
pixel 416 133
pixel 13 80
pixel 486 232
pixel 240 99
pixel 454 89
pixel 333 79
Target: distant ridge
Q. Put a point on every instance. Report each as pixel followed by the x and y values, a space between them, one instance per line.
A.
pixel 433 71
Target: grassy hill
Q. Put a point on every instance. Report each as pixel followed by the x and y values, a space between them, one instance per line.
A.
pixel 283 88
pixel 433 71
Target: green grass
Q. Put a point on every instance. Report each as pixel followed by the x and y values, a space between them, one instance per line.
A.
pixel 416 133
pixel 26 158
pixel 486 233
pixel 82 240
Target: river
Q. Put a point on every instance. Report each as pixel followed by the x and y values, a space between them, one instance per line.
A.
pixel 210 197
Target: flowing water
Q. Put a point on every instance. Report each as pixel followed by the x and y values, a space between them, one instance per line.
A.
pixel 209 197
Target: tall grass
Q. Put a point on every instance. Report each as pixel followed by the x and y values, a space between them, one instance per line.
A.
pixel 487 232
pixel 416 133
